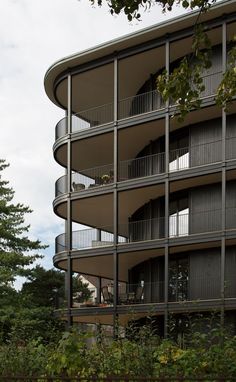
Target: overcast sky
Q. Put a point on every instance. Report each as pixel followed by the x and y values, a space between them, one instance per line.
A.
pixel 33 35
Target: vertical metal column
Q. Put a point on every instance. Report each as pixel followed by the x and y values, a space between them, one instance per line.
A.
pixel 99 290
pixel 115 200
pixel 167 132
pixel 223 183
pixel 69 220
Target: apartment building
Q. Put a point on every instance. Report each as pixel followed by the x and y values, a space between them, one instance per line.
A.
pixel 157 197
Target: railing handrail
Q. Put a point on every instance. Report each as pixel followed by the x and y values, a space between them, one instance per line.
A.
pixel 123 237
pixel 92 168
pixel 109 166
pixel 92 108
pixel 139 95
pixel 104 228
pixel 136 96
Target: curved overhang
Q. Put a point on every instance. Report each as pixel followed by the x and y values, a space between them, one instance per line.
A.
pixel 105 52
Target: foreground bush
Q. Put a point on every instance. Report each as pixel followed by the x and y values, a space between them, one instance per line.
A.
pixel 142 355
pixel 26 360
pixel 147 357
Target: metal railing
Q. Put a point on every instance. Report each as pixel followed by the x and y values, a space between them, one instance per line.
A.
pixel 179 159
pixel 230 148
pixel 128 107
pixel 141 167
pixel 211 82
pixel 181 288
pixel 89 178
pixel 180 224
pixel 140 104
pixel 141 293
pixel 94 117
pixel 88 238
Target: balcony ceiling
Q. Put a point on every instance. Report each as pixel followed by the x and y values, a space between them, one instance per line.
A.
pixel 102 266
pixel 147 34
pixel 92 152
pixel 94 87
pixel 89 89
pixel 134 139
pixel 97 211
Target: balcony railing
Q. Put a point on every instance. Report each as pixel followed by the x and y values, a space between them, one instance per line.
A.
pixel 142 167
pixel 180 225
pixel 180 289
pixel 180 159
pixel 95 177
pixel 230 148
pixel 128 107
pixel 140 104
pixel 88 238
pixel 211 83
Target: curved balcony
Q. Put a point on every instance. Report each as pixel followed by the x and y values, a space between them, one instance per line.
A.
pixel 180 225
pixel 86 119
pixel 87 238
pixel 179 159
pixel 181 289
pixel 128 107
pixel 93 177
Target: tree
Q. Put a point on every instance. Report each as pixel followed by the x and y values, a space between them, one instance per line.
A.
pixel 15 245
pixel 47 288
pixel 43 288
pixel 28 314
pixel 185 84
pixel 17 253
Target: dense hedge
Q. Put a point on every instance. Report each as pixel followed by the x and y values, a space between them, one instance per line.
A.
pixel 206 355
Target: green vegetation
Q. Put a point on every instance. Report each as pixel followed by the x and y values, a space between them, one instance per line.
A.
pixel 27 315
pixel 14 244
pixel 206 356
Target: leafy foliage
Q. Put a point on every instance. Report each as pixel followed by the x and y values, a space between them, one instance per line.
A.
pixel 185 83
pixel 227 89
pixel 30 359
pixel 131 8
pixel 207 355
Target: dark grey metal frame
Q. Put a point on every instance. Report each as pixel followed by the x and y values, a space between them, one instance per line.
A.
pixel 166 177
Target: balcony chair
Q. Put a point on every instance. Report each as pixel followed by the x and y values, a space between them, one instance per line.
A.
pixel 136 297
pixel 78 186
pixel 107 296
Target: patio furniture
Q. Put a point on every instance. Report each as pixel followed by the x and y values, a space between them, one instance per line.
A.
pixel 78 186
pixel 107 296
pixel 136 297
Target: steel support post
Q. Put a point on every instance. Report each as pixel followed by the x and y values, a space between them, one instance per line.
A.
pixel 115 201
pixel 167 133
pixel 223 181
pixel 68 218
pixel 99 290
